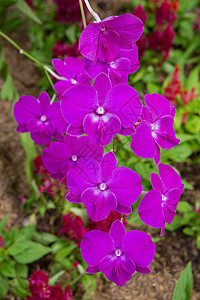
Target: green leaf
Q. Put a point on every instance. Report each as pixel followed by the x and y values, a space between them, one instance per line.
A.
pixel 70 33
pixel 20 288
pixel 18 247
pixel 193 123
pixel 24 8
pixel 7 269
pixel 5 3
pixel 30 150
pixel 187 185
pixel 56 277
pixel 184 285
pixel 198 242
pixel 188 231
pixel 153 88
pixel 193 80
pixel 184 207
pixel 26 232
pixel 4 286
pixel 45 238
pixel 21 270
pixel 3 223
pixel 33 252
pixel 8 91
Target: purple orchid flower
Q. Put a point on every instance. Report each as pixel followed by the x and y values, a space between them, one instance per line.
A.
pixel 103 187
pixel 72 70
pixel 104 40
pixel 59 157
pixel 125 63
pixel 155 129
pixel 101 110
pixel 42 119
pixel 118 254
pixel 159 205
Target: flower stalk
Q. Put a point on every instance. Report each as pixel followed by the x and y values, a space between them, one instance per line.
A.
pixel 95 15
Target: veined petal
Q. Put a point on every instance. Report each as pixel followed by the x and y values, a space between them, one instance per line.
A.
pixel 55 115
pixel 117 269
pixel 101 129
pixel 108 164
pixel 95 245
pixel 25 109
pixel 77 102
pixel 142 142
pixel 157 182
pixel 139 247
pixel 94 68
pixel 44 102
pixel 150 209
pixel 102 85
pixel 126 185
pixel 98 203
pixel 41 133
pixel 117 231
pixel 109 45
pixel 170 177
pixel 61 87
pixel 123 101
pixel 73 198
pixel 86 174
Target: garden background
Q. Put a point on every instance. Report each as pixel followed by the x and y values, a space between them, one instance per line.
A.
pixel 34 205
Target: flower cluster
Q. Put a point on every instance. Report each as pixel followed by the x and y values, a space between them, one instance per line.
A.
pixel 68 11
pixel 39 288
pixel 161 39
pixel 1 241
pixel 85 119
pixel 175 89
pixel 63 50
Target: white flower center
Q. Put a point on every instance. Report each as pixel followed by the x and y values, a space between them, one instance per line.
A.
pixel 43 118
pixel 74 158
pixel 73 81
pixel 102 186
pixel 118 252
pixel 164 198
pixel 153 127
pixel 113 65
pixel 100 110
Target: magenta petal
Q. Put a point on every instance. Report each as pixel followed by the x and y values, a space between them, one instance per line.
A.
pixel 92 270
pixel 88 42
pixel 101 129
pixel 117 269
pixel 55 115
pixel 170 177
pixel 139 247
pixel 145 115
pixel 86 174
pixel 157 155
pixel 157 105
pixel 77 102
pixel 102 85
pixel 61 87
pixel 62 68
pixel 126 185
pixel 123 209
pixel 41 133
pixel 119 71
pixel 128 26
pixel 95 245
pixel 22 128
pixel 127 131
pixel 142 142
pixel 117 231
pixel 86 149
pixel 44 102
pixel 143 270
pixel 108 164
pixel 75 130
pixel 53 158
pixel 150 209
pixel 109 45
pixel 73 198
pixel 25 109
pixel 123 101
pixel 157 182
pixel 94 68
pixel 98 203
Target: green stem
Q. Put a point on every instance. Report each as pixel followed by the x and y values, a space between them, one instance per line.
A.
pixel 82 13
pixel 21 51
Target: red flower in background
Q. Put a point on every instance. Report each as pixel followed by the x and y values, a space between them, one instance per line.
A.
pixel 63 50
pixel 68 11
pixel 196 24
pixel 140 13
pixel 166 12
pixel 39 288
pixel 1 241
pixel 73 227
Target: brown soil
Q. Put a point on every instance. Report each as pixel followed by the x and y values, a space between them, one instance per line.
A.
pixel 174 249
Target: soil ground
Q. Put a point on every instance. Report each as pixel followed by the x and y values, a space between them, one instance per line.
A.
pixel 174 249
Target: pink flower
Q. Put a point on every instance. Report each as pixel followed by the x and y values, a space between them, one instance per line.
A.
pixel 1 241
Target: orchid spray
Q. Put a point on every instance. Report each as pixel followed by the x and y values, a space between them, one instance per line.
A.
pixel 85 118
